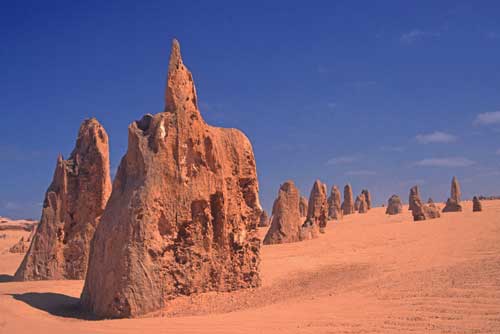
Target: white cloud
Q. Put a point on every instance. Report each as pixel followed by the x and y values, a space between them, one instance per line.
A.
pixel 343 160
pixel 436 137
pixel 445 162
pixel 415 34
pixel 360 172
pixel 487 118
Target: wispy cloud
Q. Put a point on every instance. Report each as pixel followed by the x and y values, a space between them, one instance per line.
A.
pixel 360 172
pixel 415 34
pixel 488 118
pixel 347 159
pixel 445 162
pixel 436 137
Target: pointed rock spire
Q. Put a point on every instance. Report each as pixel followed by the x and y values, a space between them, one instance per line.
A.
pixel 180 93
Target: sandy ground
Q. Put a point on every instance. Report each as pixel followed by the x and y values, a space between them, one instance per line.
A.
pixel 368 274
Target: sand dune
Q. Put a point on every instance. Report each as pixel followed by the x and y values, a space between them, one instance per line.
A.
pixel 370 273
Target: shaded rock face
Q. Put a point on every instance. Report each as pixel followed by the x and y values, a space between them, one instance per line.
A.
pixel 476 205
pixel 264 219
pixel 348 204
pixel 183 214
pixel 394 205
pixel 286 222
pixel 317 209
pixel 363 205
pixel 368 198
pixel 73 205
pixel 453 202
pixel 413 198
pixel 334 207
pixel 420 210
pixel 303 206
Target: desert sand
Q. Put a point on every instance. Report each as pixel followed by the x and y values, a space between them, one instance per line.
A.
pixel 369 273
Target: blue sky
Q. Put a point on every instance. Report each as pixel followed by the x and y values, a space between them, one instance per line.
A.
pixel 383 95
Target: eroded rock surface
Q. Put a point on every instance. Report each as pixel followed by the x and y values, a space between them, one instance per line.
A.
pixel 183 214
pixel 394 205
pixel 264 219
pixel 334 206
pixel 286 221
pixel 453 202
pixel 421 211
pixel 348 204
pixel 368 198
pixel 73 205
pixel 317 212
pixel 303 206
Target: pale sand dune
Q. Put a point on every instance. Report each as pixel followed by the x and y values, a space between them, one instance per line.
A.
pixel 370 273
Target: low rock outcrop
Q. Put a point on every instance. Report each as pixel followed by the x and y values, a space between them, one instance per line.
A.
pixel 73 205
pixel 334 206
pixel 20 247
pixel 453 202
pixel 348 204
pixel 476 205
pixel 394 205
pixel 183 214
pixel 421 211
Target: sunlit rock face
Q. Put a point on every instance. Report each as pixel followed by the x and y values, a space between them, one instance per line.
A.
pixel 183 214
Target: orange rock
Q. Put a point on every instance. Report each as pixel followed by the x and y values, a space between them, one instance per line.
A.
pixel 317 209
pixel 420 210
pixel 453 203
pixel 71 211
pixel 348 204
pixel 334 207
pixel 368 198
pixel 303 206
pixel 183 214
pixel 286 222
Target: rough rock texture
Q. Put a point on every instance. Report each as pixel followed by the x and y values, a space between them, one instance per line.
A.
pixel 368 198
pixel 363 204
pixel 453 202
pixel 303 206
pixel 183 214
pixel 420 210
pixel 20 247
pixel 414 197
pixel 476 205
pixel 264 219
pixel 348 204
pixel 317 212
pixel 394 205
pixel 71 210
pixel 334 207
pixel 286 221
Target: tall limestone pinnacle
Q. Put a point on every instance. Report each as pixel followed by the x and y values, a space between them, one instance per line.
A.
pixel 71 211
pixel 183 214
pixel 180 92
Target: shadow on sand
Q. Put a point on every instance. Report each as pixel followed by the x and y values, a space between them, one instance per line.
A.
pixel 54 303
pixel 6 278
